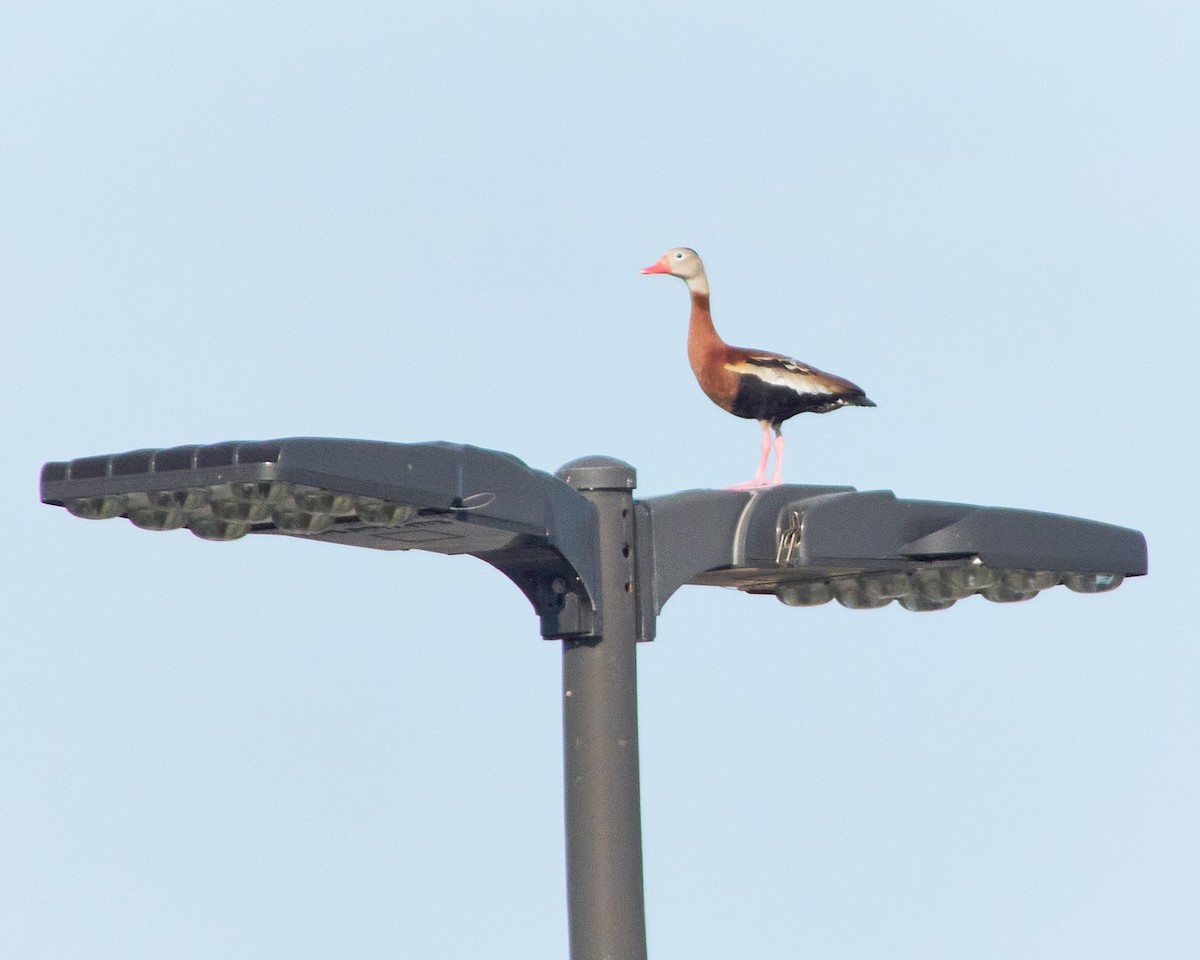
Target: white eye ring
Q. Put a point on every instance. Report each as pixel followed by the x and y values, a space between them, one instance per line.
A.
pixel 678 254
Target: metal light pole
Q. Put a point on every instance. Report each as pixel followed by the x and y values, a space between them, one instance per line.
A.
pixel 597 566
pixel 602 794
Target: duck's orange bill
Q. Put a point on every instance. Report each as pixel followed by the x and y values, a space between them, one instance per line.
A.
pixel 661 267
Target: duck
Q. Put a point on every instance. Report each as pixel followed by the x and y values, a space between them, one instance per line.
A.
pixel 752 384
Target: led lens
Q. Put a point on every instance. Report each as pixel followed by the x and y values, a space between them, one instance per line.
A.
pixel 1002 593
pixel 192 498
pixel 262 491
pixel 920 603
pixel 241 511
pixel 96 508
pixel 1092 582
pixel 301 521
pixel 213 528
pixel 1026 581
pixel 805 593
pixel 889 586
pixel 249 502
pixel 313 500
pixel 384 513
pixel 858 593
pixel 156 518
pixel 964 581
pixel 934 587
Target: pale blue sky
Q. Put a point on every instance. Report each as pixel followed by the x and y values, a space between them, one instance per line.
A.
pixel 245 221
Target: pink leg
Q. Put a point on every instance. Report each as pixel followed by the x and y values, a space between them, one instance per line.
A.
pixel 777 479
pixel 760 475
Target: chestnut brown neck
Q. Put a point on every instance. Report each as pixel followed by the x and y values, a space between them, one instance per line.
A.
pixel 703 339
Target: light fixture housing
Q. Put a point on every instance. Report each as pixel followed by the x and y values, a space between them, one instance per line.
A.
pixel 444 497
pixel 806 545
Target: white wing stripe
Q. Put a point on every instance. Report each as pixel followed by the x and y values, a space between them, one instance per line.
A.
pixel 793 377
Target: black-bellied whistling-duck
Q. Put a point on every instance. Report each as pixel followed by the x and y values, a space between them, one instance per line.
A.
pixel 755 384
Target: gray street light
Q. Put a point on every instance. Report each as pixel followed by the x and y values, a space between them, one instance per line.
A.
pixel 597 567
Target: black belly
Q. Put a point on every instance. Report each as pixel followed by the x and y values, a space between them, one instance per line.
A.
pixel 758 400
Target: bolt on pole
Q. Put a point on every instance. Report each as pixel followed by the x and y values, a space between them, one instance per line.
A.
pixel 602 794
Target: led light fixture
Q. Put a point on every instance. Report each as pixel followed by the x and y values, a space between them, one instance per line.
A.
pixel 442 497
pixel 806 545
pixel 809 545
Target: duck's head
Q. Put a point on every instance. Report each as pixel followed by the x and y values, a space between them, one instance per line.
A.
pixel 682 262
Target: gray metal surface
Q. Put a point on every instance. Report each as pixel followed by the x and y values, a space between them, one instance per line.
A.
pixel 758 540
pixel 529 525
pixel 602 793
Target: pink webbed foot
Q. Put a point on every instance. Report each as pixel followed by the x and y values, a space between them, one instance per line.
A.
pixel 753 485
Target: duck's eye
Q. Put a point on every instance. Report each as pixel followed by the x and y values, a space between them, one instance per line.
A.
pixel 678 254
